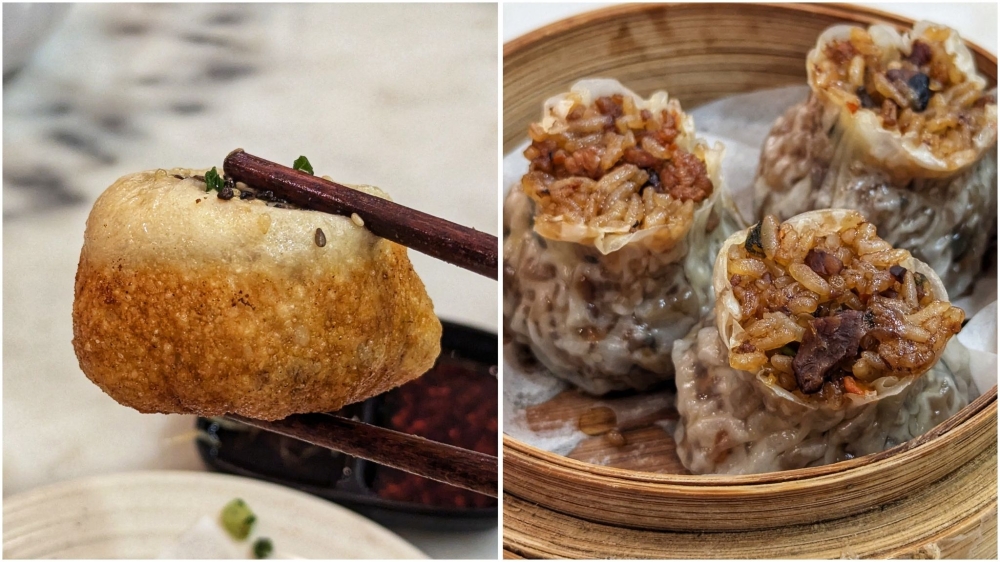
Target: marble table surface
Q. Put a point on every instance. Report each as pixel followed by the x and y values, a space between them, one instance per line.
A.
pixel 399 96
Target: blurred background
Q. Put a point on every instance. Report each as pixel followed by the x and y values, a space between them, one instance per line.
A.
pixel 399 96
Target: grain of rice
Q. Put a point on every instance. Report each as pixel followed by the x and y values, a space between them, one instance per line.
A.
pixel 654 148
pixel 880 280
pixel 852 302
pixel 914 333
pixel 862 41
pixel 618 225
pixel 937 33
pixel 590 207
pixel 616 197
pixel 864 371
pixel 884 87
pixel 769 235
pixel 857 71
pixel 782 363
pixel 778 338
pixel 963 95
pixel 629 105
pixel 748 361
pixel 936 308
pixel 751 267
pixel 616 177
pixel 955 75
pixel 885 258
pixel 803 304
pixel 870 244
pixel 634 212
pixel 848 236
pixel 873 359
pixel 628 139
pixel 612 152
pixel 357 220
pixel 809 279
pixel 583 142
pixel 910 290
pixel 572 210
pixel 781 281
pixel 914 122
pixel 657 217
pixel 939 124
pixel 591 125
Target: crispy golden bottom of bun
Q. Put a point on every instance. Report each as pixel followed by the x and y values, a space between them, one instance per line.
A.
pixel 187 303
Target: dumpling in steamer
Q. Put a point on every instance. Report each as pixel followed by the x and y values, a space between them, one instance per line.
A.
pixel 608 238
pixel 824 345
pixel 732 423
pixel 901 128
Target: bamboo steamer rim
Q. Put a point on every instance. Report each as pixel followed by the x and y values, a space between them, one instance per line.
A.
pixel 787 479
pixel 855 14
pixel 986 61
pixel 968 530
pixel 526 466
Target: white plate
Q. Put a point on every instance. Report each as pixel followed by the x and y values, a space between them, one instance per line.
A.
pixel 138 514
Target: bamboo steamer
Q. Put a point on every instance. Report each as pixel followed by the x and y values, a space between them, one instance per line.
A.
pixel 935 496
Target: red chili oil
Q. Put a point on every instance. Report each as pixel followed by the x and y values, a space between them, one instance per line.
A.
pixel 454 403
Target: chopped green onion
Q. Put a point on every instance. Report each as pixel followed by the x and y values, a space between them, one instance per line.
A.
pixel 262 548
pixel 302 163
pixel 237 519
pixel 213 181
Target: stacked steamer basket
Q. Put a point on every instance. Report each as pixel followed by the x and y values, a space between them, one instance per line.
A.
pixel 935 496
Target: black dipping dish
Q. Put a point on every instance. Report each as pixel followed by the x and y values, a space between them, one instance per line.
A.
pixel 454 403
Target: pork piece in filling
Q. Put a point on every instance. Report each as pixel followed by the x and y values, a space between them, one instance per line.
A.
pixel 921 93
pixel 614 166
pixel 830 310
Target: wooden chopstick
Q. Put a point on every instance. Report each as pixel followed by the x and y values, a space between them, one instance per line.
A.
pixel 436 237
pixel 450 242
pixel 445 463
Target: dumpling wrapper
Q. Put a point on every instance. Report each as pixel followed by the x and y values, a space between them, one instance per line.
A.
pixel 732 422
pixel 899 154
pixel 609 239
pixel 821 154
pixel 729 320
pixel 654 283
pixel 187 303
pixel 739 422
